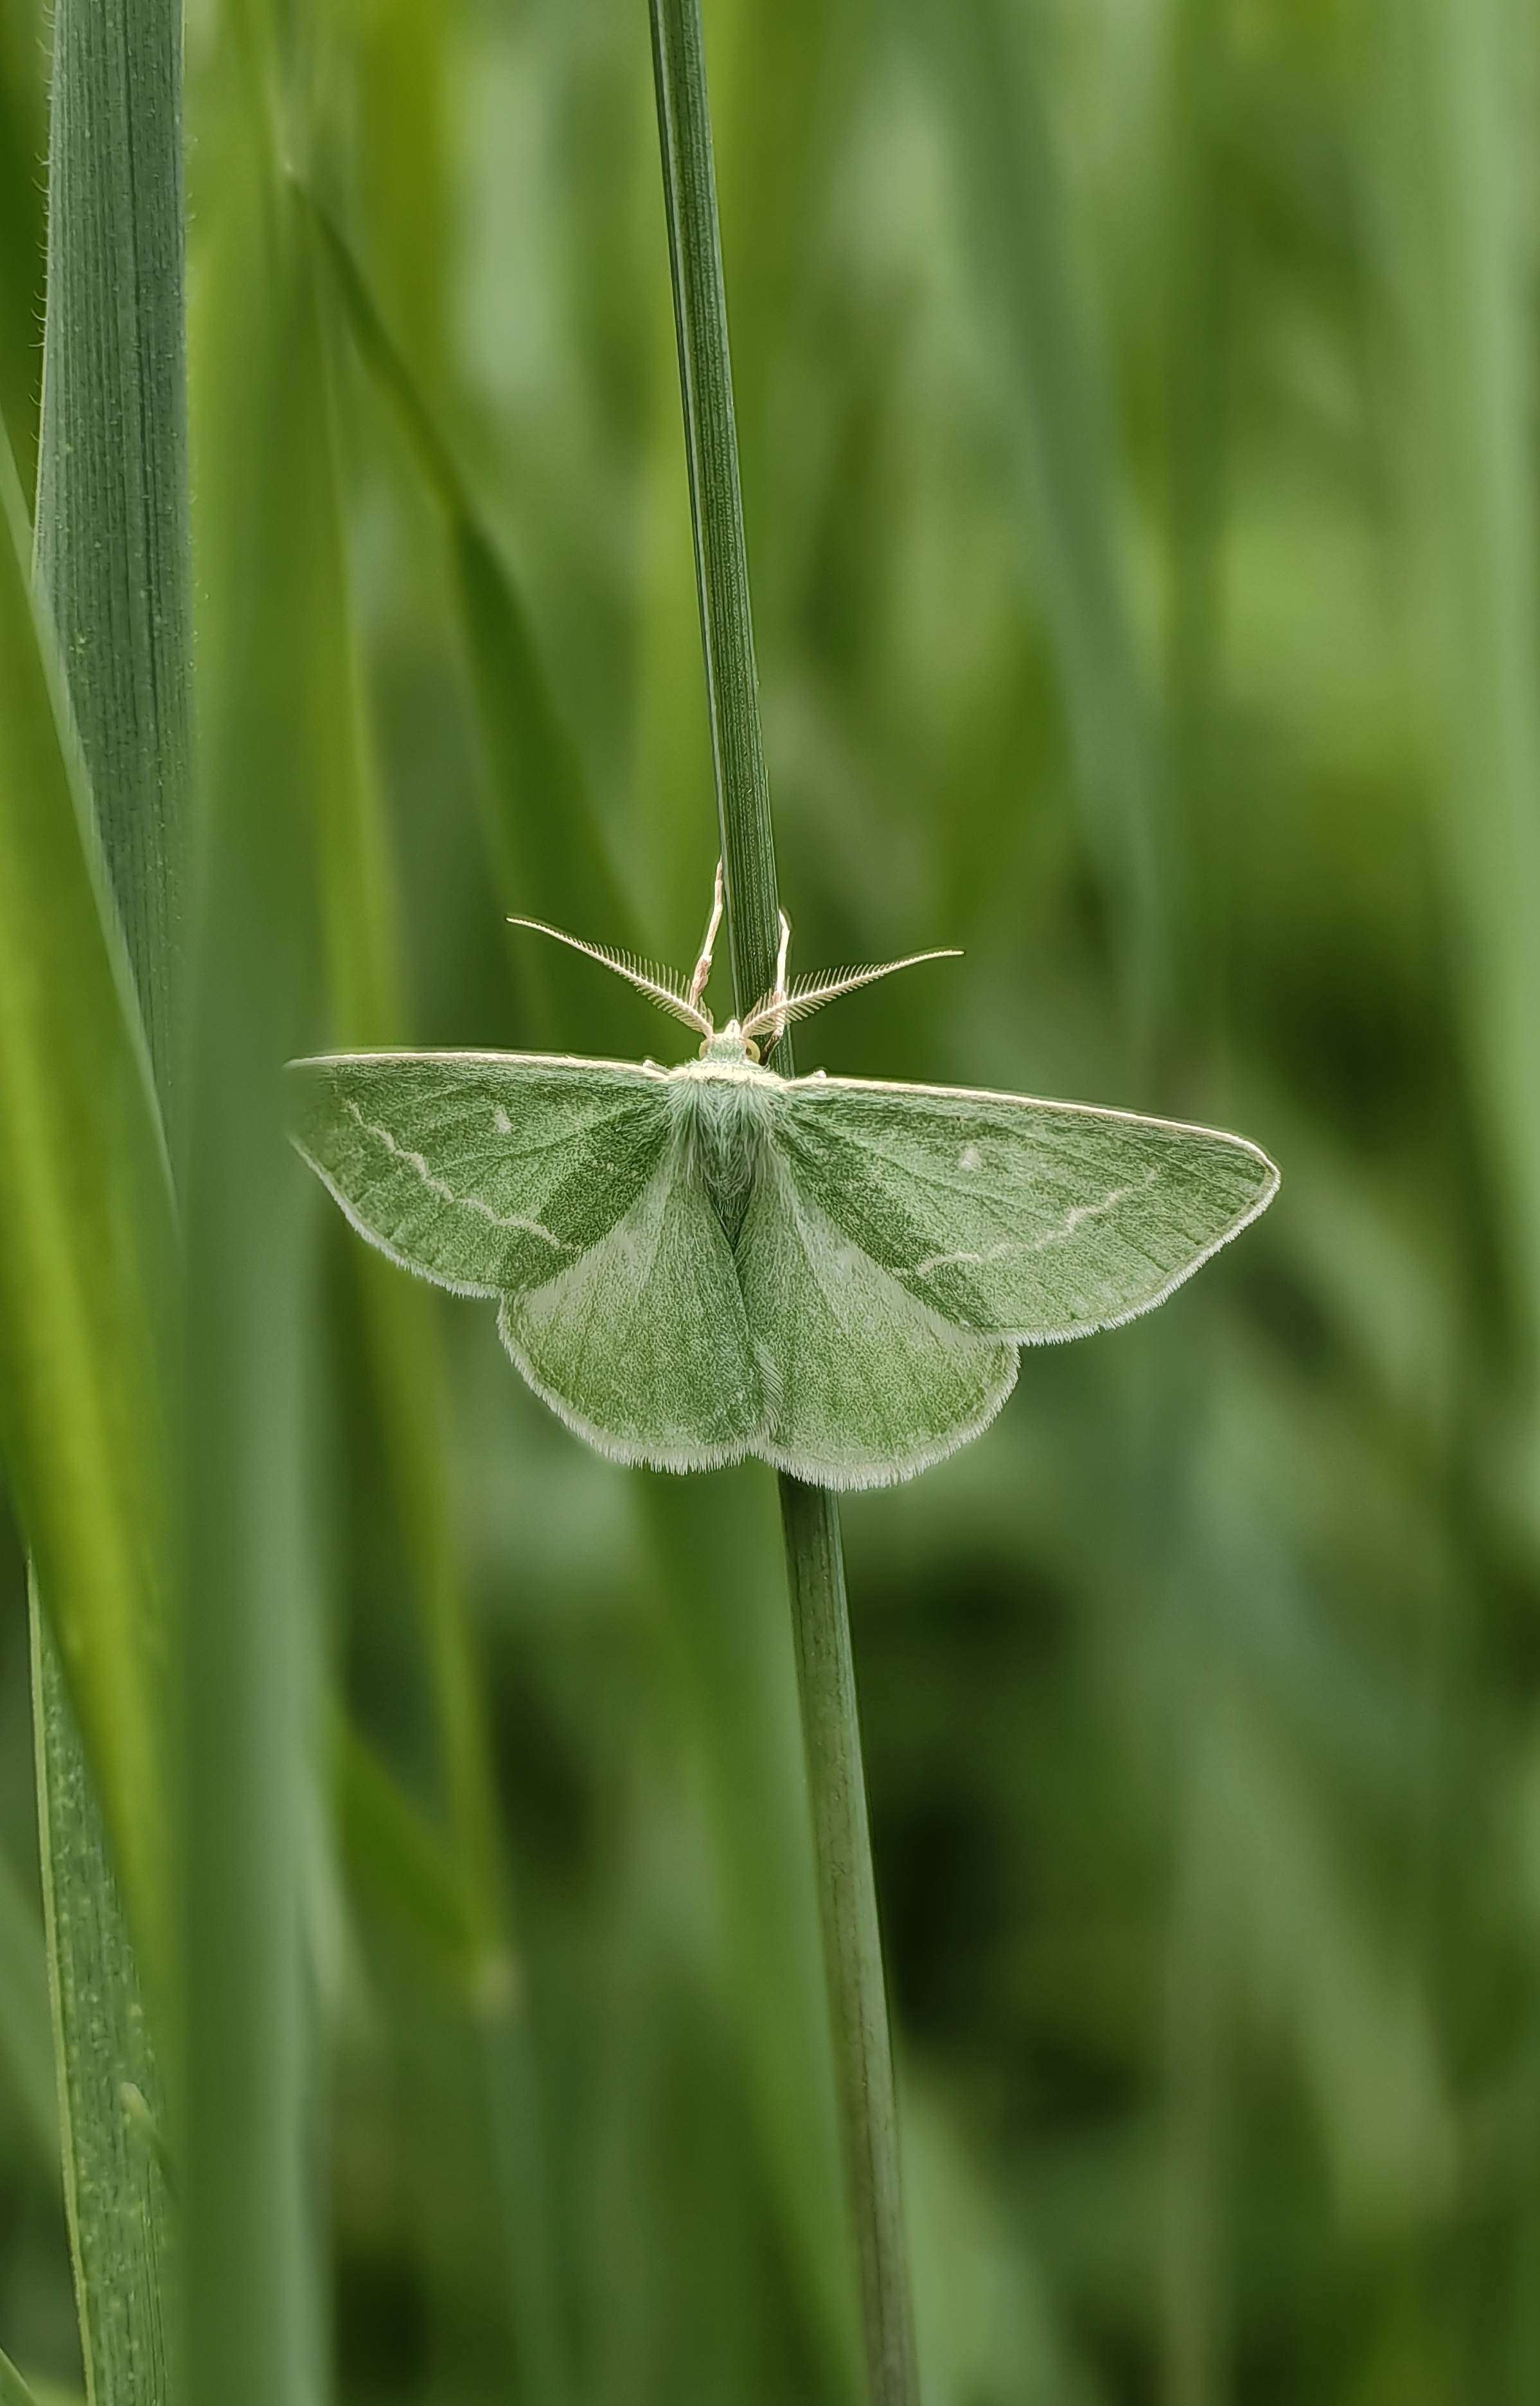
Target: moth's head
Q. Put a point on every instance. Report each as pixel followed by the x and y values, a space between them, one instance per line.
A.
pixel 730 1045
pixel 686 999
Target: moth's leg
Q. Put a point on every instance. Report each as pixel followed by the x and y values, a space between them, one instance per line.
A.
pixel 703 966
pixel 772 1012
pixel 774 1007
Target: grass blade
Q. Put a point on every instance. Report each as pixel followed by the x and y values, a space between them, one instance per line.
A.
pixel 852 1962
pixel 401 1343
pixel 853 1951
pixel 549 853
pixel 710 444
pixel 111 2103
pixel 13 2389
pixel 433 1896
pixel 742 1679
pixel 393 1853
pixel 401 1340
pixel 274 731
pixel 985 57
pixel 26 2032
pixel 85 1249
pixel 111 559
pixel 1465 263
pixel 21 242
pixel 112 504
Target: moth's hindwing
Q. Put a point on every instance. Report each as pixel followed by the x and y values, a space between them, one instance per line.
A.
pixel 642 1344
pixel 863 1382
pixel 1024 1220
pixel 489 1173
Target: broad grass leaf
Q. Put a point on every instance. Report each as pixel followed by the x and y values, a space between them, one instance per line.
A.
pixel 86 1245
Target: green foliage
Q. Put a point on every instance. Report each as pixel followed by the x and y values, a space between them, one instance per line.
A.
pixel 546 845
pixel 1137 458
pixel 86 1246
pixel 111 569
pixel 276 731
pixel 13 2389
pixel 26 2038
pixel 112 487
pixel 113 2105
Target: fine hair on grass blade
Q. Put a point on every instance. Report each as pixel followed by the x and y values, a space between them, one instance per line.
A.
pixel 853 1966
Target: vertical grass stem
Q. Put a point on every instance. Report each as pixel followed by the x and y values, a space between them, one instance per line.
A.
pixel 814 1568
pixel 711 442
pixel 853 1951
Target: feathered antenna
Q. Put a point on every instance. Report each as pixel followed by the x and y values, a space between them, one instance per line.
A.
pixel 770 1014
pixel 664 986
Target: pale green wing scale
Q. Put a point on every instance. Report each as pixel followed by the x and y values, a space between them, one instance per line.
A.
pixel 559 1184
pixel 1020 1219
pixel 641 1345
pixel 485 1172
pixel 864 1382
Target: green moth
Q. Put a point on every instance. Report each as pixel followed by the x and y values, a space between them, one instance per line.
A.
pixel 700 1263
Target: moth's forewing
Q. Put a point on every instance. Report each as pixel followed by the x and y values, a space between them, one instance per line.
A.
pixel 1025 1220
pixel 641 1345
pixel 488 1172
pixel 865 1383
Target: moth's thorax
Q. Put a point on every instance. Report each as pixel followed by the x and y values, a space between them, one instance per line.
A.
pixel 724 1105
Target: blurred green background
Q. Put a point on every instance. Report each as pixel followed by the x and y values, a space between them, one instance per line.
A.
pixel 1138 434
